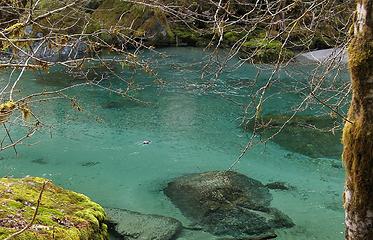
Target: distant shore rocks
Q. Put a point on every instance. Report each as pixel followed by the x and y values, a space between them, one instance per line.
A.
pixel 69 51
pixel 133 225
pixel 227 204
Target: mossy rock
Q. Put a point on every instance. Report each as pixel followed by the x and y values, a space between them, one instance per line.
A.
pixel 308 135
pixel 134 20
pixel 62 214
pixel 232 37
pixel 191 37
pixel 66 21
pixel 267 50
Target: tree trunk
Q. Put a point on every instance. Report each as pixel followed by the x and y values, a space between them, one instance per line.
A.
pixel 358 135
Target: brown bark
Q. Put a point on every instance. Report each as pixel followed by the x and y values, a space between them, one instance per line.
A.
pixel 358 136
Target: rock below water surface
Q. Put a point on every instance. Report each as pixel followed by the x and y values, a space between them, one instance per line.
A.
pixel 227 203
pixel 62 214
pixel 132 225
pixel 308 135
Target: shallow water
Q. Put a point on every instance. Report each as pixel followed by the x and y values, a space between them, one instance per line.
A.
pixel 193 126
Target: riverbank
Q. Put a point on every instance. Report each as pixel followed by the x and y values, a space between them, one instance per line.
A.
pixel 89 26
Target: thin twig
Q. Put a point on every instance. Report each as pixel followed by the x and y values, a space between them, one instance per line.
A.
pixel 29 134
pixel 332 109
pixel 10 138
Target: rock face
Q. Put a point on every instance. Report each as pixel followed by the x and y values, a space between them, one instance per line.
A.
pixel 71 50
pixel 132 225
pixel 62 214
pixel 147 24
pixel 226 203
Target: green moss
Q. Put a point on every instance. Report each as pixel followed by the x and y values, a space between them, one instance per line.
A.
pixel 132 20
pixel 49 4
pixel 361 52
pixel 357 137
pixel 24 236
pixel 70 234
pixel 191 37
pixel 65 21
pixel 231 37
pixel 267 50
pixel 109 12
pixel 262 43
pixel 62 213
pixel 186 35
pixel 12 204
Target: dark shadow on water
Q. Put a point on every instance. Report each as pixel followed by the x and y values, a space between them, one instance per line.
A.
pixel 89 164
pixel 40 161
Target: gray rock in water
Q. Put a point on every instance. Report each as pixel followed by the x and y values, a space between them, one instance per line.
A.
pixel 338 55
pixel 71 50
pixel 226 203
pixel 133 225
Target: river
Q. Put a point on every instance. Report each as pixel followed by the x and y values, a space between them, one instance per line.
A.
pixel 192 125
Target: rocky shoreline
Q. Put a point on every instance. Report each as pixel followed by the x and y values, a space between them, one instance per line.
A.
pixel 228 205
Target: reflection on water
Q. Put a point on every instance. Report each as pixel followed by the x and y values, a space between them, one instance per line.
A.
pixel 193 126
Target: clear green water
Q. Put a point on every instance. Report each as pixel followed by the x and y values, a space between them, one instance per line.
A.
pixel 193 126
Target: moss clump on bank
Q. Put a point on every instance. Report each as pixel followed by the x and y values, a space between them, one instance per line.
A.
pixel 231 37
pixel 267 50
pixel 62 214
pixel 190 37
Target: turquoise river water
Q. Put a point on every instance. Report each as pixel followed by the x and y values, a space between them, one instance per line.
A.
pixel 193 126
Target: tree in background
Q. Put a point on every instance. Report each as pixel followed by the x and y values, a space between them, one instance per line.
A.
pixel 357 136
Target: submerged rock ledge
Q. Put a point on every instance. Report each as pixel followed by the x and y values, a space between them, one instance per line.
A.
pixel 62 214
pixel 131 225
pixel 227 204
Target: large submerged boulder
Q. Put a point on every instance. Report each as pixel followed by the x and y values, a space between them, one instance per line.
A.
pixel 226 203
pixel 313 136
pixel 133 225
pixel 62 214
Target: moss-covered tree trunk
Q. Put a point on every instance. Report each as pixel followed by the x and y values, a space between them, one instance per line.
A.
pixel 358 136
